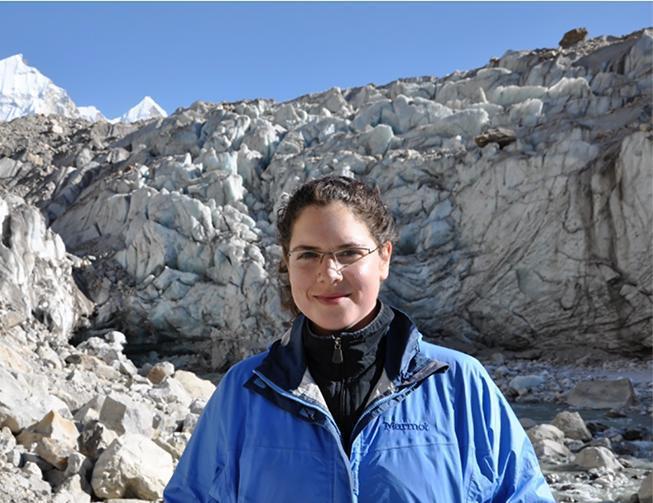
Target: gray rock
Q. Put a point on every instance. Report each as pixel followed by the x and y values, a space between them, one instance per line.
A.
pixel 72 490
pixel 572 37
pixel 597 457
pixel 527 423
pixel 197 406
pixel 160 371
pixel 90 411
pixel 196 387
pixel 190 421
pixel 377 139
pixel 55 438
pixel 95 439
pixel 124 415
pixel 523 384
pixel 602 394
pixel 7 441
pixel 545 431
pixel 36 482
pixel 132 465
pixel 170 391
pixel 500 136
pixel 24 400
pixel 645 492
pixel 551 450
pixel 175 443
pixel 573 426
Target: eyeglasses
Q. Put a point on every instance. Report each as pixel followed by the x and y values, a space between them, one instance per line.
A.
pixel 308 260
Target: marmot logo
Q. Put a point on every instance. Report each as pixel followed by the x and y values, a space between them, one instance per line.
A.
pixel 405 426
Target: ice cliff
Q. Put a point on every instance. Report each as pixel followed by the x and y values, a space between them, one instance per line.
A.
pixel 522 190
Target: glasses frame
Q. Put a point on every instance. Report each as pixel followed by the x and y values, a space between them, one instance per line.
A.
pixel 332 254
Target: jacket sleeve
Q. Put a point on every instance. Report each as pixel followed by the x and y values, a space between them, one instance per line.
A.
pixel 201 468
pixel 505 455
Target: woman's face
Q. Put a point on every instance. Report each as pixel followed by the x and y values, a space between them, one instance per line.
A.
pixel 331 297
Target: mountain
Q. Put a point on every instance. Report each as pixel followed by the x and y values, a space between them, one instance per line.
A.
pixel 26 91
pixel 91 113
pixel 147 108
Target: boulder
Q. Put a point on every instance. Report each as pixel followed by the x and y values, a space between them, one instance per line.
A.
pixel 95 439
pixel 572 425
pixel 170 391
pixel 24 400
pixel 160 371
pixel 55 453
pixel 377 139
pixel 196 387
pixel 542 431
pixel 500 136
pixel 133 465
pixel 35 479
pixel 597 457
pixel 55 437
pixel 190 421
pixel 7 440
pixel 90 411
pixel 548 442
pixel 174 443
pixel 602 394
pixel 523 384
pixel 124 415
pixel 551 450
pixel 572 37
pixel 645 492
pixel 72 490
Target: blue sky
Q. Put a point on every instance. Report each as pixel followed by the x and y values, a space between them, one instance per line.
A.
pixel 112 54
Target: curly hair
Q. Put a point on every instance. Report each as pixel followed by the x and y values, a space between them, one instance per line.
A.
pixel 363 200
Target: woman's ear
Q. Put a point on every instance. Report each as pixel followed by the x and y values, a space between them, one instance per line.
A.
pixel 385 253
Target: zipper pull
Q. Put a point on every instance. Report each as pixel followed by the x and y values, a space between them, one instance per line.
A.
pixel 337 351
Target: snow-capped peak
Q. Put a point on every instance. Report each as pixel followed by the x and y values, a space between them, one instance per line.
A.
pixel 91 113
pixel 147 108
pixel 26 91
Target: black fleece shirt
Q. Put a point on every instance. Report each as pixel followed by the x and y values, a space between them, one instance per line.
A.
pixel 346 366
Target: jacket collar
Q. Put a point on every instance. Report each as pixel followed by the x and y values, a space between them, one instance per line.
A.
pixel 358 350
pixel 285 364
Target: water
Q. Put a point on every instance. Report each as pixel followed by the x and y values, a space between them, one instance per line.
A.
pixel 545 412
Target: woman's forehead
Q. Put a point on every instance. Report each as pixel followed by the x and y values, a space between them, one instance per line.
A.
pixel 335 221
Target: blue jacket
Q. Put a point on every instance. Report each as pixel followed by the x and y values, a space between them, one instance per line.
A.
pixel 437 429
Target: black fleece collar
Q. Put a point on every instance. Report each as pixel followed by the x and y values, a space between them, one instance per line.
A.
pixel 359 348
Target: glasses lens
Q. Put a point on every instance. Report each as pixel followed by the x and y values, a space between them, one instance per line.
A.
pixel 350 255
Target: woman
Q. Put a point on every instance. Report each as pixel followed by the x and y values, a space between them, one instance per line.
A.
pixel 351 405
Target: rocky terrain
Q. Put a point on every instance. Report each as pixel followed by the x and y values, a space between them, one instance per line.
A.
pixel 134 257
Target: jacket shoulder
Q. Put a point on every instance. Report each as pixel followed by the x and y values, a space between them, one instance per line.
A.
pixel 456 360
pixel 240 372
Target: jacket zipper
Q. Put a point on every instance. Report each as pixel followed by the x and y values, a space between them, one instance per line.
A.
pixel 343 454
pixel 337 357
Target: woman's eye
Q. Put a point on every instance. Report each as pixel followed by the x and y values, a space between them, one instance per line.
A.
pixel 350 253
pixel 307 255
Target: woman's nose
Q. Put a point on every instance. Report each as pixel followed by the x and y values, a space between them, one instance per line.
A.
pixel 329 267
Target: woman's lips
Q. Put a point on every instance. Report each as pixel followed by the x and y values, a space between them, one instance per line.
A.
pixel 334 298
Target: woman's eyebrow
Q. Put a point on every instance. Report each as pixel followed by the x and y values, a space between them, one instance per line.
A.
pixel 317 248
